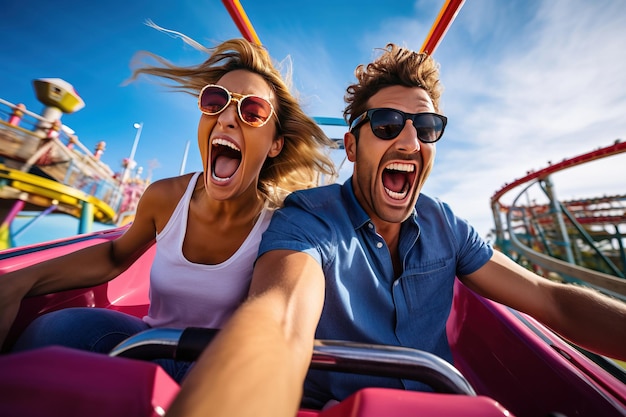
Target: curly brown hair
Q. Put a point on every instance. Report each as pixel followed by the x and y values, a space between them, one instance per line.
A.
pixel 304 158
pixel 395 66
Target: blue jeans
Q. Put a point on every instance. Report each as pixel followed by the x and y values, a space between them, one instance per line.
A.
pixel 92 329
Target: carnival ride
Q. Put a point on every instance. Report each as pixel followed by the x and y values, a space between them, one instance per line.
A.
pixel 44 168
pixel 505 362
pixel 579 241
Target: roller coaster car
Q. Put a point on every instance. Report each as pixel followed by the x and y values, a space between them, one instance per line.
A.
pixel 505 363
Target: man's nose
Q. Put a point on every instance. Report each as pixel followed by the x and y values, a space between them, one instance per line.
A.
pixel 407 140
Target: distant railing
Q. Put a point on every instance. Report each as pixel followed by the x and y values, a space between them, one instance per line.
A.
pixel 579 241
pixel 31 143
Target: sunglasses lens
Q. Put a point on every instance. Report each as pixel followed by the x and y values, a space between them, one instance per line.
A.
pixel 255 111
pixel 213 100
pixel 387 123
pixel 428 127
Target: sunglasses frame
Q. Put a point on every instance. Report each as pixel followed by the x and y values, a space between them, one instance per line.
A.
pixel 237 98
pixel 367 115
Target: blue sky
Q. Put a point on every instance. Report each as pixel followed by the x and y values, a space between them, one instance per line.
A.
pixel 526 82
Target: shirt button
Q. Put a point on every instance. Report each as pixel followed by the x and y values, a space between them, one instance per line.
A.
pixel 379 245
pixel 370 225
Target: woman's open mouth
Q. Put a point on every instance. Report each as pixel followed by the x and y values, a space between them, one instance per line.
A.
pixel 225 159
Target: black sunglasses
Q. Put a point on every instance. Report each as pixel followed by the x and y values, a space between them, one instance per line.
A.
pixel 387 123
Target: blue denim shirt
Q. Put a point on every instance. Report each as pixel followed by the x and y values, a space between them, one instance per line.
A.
pixel 364 300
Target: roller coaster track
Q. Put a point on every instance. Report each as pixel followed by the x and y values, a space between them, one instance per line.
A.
pixel 576 241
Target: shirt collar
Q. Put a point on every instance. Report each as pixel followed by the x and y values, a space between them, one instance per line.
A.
pixel 357 214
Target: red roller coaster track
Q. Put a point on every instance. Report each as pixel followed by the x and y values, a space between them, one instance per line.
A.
pixel 617 148
pixel 584 238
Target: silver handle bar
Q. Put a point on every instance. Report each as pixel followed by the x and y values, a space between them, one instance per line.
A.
pixel 331 355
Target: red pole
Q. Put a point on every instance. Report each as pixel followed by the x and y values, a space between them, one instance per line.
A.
pixel 446 16
pixel 238 14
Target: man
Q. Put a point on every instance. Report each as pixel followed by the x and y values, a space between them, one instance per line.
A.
pixel 369 261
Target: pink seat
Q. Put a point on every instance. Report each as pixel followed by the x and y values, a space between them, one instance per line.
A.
pixel 62 382
pixel 378 402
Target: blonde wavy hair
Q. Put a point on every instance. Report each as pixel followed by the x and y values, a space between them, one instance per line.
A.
pixel 303 161
pixel 395 66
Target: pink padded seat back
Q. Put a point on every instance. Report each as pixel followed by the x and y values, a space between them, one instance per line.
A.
pixel 62 382
pixel 377 402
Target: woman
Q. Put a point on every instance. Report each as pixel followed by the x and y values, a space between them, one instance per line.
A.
pixel 257 145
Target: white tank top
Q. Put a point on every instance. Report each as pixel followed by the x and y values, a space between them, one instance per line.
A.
pixel 183 293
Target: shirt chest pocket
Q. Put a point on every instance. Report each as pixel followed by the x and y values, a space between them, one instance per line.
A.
pixel 428 288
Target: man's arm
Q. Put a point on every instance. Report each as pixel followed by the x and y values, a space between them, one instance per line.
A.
pixel 257 363
pixel 581 315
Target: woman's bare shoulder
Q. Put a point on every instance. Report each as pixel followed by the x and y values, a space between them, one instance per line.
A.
pixel 169 188
pixel 163 195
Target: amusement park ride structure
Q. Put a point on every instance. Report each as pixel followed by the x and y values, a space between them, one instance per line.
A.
pixel 44 168
pixel 505 362
pixel 580 241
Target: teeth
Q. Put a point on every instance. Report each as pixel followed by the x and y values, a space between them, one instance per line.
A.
pixel 216 178
pixel 395 195
pixel 396 166
pixel 225 142
pixel 401 167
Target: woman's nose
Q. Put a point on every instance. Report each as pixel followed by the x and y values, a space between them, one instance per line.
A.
pixel 228 116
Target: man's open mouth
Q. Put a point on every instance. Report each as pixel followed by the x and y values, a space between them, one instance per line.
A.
pixel 225 159
pixel 397 179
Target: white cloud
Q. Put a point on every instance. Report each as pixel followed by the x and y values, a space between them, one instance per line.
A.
pixel 554 92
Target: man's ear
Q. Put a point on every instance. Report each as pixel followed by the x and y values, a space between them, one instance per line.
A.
pixel 277 146
pixel 349 143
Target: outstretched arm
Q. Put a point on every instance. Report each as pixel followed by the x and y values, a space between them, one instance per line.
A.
pixel 257 364
pixel 87 267
pixel 581 315
pixel 92 265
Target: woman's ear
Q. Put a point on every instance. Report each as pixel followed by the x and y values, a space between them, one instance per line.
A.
pixel 277 146
pixel 349 143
